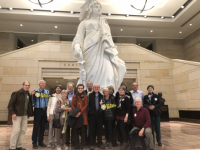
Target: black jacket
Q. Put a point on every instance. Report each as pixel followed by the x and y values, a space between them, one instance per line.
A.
pixel 92 106
pixel 128 94
pixel 73 121
pixel 155 100
pixel 17 103
pixel 125 107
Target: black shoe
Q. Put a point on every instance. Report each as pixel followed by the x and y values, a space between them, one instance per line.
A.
pixel 41 144
pixel 20 148
pixel 160 144
pixel 35 145
pixel 91 147
pixel 81 146
pixel 76 147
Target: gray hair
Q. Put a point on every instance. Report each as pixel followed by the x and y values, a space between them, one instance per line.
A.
pixel 90 81
pixel 96 85
pixel 64 91
pixel 71 84
pixel 122 88
pixel 25 82
pixel 105 88
pixel 41 81
pixel 138 98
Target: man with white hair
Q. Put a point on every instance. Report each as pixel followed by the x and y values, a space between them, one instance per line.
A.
pixel 95 117
pixel 141 120
pixel 40 101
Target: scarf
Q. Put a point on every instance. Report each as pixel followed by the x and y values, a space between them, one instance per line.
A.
pixel 88 92
pixel 121 98
pixel 65 114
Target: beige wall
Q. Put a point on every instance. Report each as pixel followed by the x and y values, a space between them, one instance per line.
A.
pixel 171 48
pixel 45 37
pixel 192 46
pixel 52 59
pixel 8 42
pixel 186 78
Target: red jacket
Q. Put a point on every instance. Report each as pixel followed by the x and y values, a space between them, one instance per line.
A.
pixel 141 118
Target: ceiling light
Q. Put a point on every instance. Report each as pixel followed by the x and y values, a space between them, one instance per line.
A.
pixel 190 24
pixel 138 44
pixel 52 11
pixel 109 14
pixel 121 29
pixel 182 6
pixel 127 15
pixel 56 27
pixel 151 30
pixel 0 7
pixel 71 12
pixel 173 16
pixel 11 8
pixel 32 40
pixel 31 9
pixel 145 16
pixel 180 32
pixel 21 25
pixel 162 17
pixel 56 81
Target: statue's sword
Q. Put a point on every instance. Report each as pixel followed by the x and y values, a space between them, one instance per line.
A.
pixel 82 79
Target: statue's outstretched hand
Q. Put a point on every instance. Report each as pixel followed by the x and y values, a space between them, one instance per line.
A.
pixel 77 51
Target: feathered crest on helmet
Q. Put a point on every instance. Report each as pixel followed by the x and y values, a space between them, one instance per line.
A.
pixel 86 8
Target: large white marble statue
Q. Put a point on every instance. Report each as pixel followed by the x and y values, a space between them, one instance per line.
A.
pixel 94 47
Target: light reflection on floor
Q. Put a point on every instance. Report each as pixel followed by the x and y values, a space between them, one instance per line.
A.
pixel 174 136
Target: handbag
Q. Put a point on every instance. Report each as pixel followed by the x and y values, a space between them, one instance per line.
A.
pixel 56 122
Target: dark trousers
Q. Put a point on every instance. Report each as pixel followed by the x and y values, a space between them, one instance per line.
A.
pixel 96 125
pixel 155 123
pixel 40 117
pixel 109 130
pixel 76 132
pixel 122 130
pixel 69 130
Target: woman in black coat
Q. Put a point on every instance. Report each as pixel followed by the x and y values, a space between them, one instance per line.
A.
pixel 152 103
pixel 122 112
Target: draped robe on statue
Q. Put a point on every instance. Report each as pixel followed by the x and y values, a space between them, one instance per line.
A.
pixel 102 64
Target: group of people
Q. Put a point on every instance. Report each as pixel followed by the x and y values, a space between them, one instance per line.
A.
pixel 85 113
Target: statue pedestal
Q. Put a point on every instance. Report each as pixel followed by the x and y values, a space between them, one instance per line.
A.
pixel 165 113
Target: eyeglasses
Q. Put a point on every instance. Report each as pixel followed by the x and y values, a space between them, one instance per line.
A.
pixel 27 85
pixel 80 88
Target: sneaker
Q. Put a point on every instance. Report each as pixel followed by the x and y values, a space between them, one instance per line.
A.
pixel 65 147
pixel 49 145
pixel 58 148
pixel 110 145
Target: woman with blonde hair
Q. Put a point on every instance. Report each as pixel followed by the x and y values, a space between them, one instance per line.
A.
pixel 61 112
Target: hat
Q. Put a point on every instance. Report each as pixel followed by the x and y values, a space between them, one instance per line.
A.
pixel 150 86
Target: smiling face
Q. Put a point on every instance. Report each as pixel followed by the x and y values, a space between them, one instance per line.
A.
pixel 80 89
pixel 105 92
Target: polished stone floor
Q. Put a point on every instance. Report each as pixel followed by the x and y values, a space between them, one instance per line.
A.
pixel 175 136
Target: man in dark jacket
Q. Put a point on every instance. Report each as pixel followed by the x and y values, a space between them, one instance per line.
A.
pixel 152 103
pixel 95 117
pixel 20 107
